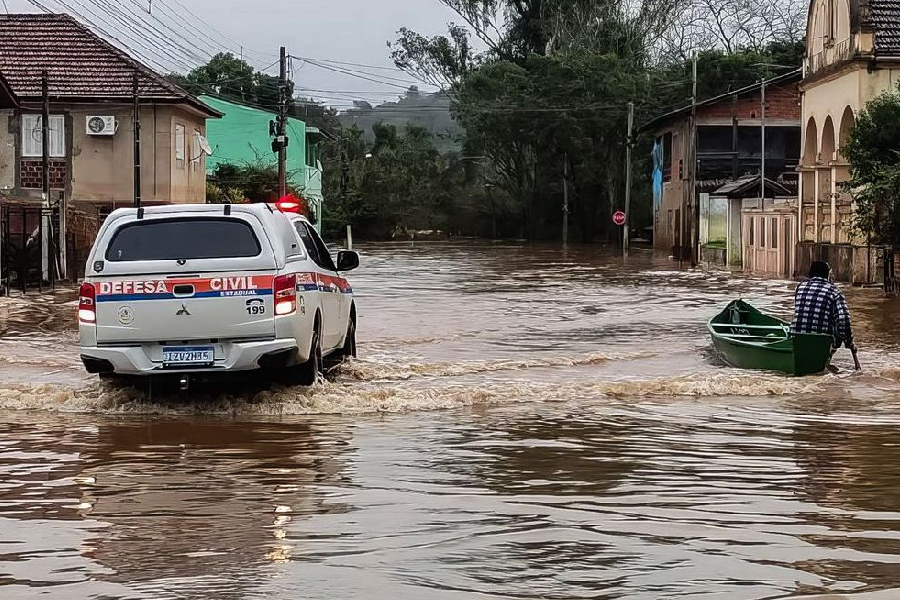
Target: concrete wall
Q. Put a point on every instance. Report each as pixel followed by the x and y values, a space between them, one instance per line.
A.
pixel 188 180
pixel 8 141
pixel 664 234
pixel 831 99
pixel 849 263
pixel 100 169
pixel 834 90
pixel 819 32
pixel 103 166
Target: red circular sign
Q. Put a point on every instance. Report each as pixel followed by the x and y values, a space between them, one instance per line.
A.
pixel 619 218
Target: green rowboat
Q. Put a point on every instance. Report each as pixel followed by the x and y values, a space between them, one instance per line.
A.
pixel 749 339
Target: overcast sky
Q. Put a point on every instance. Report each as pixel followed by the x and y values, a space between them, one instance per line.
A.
pixel 354 31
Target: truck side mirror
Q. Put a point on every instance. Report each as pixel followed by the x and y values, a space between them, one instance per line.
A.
pixel 347 260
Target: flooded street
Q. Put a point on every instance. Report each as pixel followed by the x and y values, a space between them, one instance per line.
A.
pixel 522 423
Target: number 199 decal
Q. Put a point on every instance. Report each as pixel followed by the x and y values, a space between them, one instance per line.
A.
pixel 256 306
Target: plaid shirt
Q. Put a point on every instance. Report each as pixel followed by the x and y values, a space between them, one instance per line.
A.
pixel 820 307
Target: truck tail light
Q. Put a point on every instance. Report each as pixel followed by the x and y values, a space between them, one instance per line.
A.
pixel 285 294
pixel 87 303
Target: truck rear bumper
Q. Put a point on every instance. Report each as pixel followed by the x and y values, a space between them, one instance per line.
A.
pixel 232 356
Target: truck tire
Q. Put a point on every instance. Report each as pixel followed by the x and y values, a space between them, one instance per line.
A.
pixel 349 349
pixel 312 370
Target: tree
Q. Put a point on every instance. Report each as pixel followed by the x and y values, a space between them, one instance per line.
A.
pixel 719 72
pixel 552 88
pixel 873 150
pixel 247 182
pixel 732 26
pixel 440 61
pixel 555 82
pixel 402 181
pixel 234 79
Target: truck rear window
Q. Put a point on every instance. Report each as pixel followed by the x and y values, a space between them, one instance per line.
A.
pixel 188 239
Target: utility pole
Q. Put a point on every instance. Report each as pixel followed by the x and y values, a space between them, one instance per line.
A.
pixel 695 250
pixel 45 139
pixel 690 163
pixel 136 123
pixel 762 164
pixel 565 231
pixel 628 146
pixel 281 135
pixel 46 234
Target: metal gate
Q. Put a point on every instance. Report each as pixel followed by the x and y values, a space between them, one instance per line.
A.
pixel 891 278
pixel 29 248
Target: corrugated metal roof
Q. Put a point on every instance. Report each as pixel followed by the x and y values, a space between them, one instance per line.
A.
pixel 748 186
pixel 79 63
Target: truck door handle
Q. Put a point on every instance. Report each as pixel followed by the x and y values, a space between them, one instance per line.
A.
pixel 183 290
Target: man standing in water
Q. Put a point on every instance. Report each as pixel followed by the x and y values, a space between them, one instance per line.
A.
pixel 820 307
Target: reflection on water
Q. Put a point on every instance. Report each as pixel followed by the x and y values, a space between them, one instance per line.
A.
pixel 596 449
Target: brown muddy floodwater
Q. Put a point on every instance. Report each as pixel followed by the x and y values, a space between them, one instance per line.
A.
pixel 522 423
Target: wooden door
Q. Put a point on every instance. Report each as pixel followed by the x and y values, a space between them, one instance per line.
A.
pixel 788 246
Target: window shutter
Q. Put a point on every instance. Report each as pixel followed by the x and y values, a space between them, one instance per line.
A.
pixel 179 142
pixel 31 135
pixel 57 136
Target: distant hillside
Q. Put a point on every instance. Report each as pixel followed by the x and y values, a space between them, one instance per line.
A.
pixel 431 111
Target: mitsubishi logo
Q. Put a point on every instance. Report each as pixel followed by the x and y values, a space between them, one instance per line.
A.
pixel 183 311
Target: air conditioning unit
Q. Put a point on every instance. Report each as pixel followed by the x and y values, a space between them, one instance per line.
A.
pixel 101 125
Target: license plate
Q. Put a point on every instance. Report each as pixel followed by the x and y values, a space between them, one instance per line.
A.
pixel 188 355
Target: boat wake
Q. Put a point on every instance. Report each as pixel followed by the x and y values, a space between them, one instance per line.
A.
pixel 363 398
pixel 380 370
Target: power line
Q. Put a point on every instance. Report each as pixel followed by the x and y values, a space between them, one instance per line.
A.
pixel 148 28
pixel 353 64
pixel 155 51
pixel 151 52
pixel 156 16
pixel 386 79
pixel 107 35
pixel 195 35
pixel 357 75
pixel 358 92
pixel 209 27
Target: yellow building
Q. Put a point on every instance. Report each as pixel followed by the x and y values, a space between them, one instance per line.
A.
pixel 852 55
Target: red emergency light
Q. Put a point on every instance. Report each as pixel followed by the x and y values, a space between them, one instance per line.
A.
pixel 291 204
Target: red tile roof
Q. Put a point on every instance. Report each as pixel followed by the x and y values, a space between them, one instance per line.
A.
pixel 884 18
pixel 80 64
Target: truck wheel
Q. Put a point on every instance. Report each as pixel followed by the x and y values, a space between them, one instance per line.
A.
pixel 349 349
pixel 309 372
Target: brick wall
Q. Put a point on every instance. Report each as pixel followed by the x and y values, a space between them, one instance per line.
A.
pixel 32 171
pixel 83 222
pixel 782 102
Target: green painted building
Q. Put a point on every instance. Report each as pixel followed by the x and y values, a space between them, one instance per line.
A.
pixel 242 136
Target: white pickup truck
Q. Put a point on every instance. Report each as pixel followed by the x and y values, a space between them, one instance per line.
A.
pixel 184 289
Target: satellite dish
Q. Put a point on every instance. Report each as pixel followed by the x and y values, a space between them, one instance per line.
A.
pixel 204 145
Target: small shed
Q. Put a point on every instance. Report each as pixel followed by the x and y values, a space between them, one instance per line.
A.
pixel 760 235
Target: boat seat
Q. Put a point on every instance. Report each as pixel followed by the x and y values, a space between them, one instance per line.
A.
pixel 755 337
pixel 745 326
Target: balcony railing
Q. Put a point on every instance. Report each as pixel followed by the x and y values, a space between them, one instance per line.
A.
pixel 832 54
